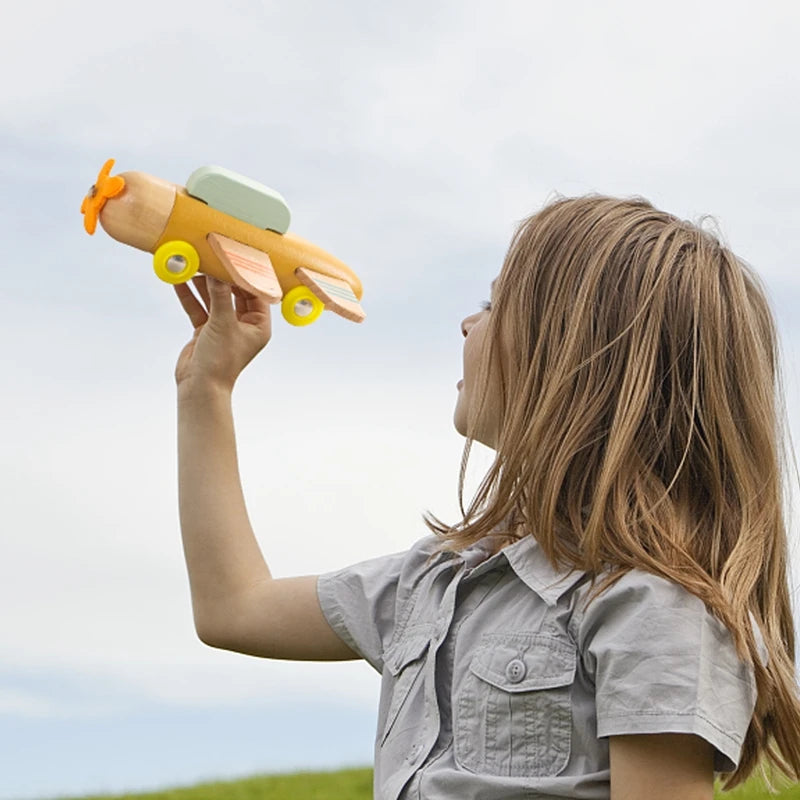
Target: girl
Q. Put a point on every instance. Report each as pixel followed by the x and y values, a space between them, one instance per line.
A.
pixel 611 616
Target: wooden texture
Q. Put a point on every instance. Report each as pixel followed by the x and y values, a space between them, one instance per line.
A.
pixel 192 220
pixel 150 212
pixel 140 213
pixel 336 294
pixel 250 268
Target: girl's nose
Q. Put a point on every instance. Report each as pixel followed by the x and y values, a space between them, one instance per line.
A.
pixel 466 324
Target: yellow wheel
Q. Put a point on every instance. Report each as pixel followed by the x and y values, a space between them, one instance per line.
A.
pixel 176 261
pixel 300 306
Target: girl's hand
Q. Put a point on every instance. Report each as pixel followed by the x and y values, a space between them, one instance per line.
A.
pixel 227 336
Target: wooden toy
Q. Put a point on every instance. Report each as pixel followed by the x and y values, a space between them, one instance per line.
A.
pixel 228 226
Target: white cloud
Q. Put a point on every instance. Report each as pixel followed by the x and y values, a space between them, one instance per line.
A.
pixel 408 141
pixel 27 704
pixel 93 512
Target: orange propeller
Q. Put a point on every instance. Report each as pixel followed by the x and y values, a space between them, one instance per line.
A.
pixel 105 187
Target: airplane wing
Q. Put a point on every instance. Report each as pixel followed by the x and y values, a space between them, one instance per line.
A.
pixel 336 294
pixel 250 268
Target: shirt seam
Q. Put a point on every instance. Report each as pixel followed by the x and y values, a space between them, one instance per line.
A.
pixel 406 606
pixel 335 616
pixel 656 714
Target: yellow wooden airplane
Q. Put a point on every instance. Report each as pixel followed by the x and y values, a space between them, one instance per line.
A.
pixel 228 226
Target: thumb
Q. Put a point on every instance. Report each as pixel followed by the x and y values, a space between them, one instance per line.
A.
pixel 219 298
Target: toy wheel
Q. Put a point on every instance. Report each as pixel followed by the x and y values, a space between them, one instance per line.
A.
pixel 176 261
pixel 300 306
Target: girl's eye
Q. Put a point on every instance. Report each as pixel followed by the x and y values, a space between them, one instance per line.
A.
pixel 486 305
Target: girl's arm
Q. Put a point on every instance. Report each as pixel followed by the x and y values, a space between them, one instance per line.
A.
pixel 237 604
pixel 661 766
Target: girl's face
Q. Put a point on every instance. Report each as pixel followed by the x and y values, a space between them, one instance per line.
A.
pixel 487 426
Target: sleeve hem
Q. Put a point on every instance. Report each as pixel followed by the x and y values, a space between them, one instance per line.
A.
pixel 728 748
pixel 333 614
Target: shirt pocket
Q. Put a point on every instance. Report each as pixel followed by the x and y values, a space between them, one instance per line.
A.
pixel 404 662
pixel 513 715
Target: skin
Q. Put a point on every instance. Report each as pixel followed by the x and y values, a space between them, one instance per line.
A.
pixel 474 329
pixel 236 602
pixel 237 605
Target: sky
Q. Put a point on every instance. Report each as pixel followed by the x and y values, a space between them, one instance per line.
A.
pixel 408 140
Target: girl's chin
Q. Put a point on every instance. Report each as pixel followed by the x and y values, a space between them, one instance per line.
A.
pixel 459 421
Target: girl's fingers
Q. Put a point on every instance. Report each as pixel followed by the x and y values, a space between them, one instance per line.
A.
pixel 239 303
pixel 242 301
pixel 216 295
pixel 219 294
pixel 249 307
pixel 191 305
pixel 200 284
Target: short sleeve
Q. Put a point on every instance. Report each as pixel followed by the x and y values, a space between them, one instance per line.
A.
pixel 662 663
pixel 362 602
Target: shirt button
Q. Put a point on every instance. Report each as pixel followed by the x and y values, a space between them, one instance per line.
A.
pixel 515 671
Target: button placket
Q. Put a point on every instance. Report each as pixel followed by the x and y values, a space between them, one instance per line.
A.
pixel 446 609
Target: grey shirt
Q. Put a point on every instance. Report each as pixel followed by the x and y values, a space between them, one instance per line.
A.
pixel 499 682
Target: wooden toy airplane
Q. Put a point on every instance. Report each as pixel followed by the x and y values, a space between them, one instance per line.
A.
pixel 228 226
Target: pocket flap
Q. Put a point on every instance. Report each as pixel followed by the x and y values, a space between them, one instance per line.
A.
pixel 404 651
pixel 524 662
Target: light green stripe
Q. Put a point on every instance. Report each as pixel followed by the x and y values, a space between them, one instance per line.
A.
pixel 338 291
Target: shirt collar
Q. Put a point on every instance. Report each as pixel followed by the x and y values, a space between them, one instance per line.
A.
pixel 528 560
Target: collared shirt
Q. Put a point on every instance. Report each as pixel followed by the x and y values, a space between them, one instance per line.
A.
pixel 499 682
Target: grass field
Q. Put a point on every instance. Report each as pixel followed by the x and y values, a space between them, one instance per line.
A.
pixel 352 784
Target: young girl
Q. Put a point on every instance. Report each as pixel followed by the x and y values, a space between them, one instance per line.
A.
pixel 611 616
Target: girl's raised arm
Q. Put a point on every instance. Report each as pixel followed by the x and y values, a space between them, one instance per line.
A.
pixel 237 604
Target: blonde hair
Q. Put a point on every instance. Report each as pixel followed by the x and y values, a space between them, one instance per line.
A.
pixel 643 426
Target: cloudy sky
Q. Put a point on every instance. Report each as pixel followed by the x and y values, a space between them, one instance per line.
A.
pixel 408 140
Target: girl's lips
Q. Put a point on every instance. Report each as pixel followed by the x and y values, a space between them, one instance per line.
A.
pixel 459 384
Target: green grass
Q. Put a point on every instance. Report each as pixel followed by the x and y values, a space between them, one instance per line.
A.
pixel 754 789
pixel 348 784
pixel 355 784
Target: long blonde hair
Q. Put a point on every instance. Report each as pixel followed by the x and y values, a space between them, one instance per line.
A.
pixel 643 426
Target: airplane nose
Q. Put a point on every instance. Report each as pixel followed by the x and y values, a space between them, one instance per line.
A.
pixel 99 192
pixel 139 215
